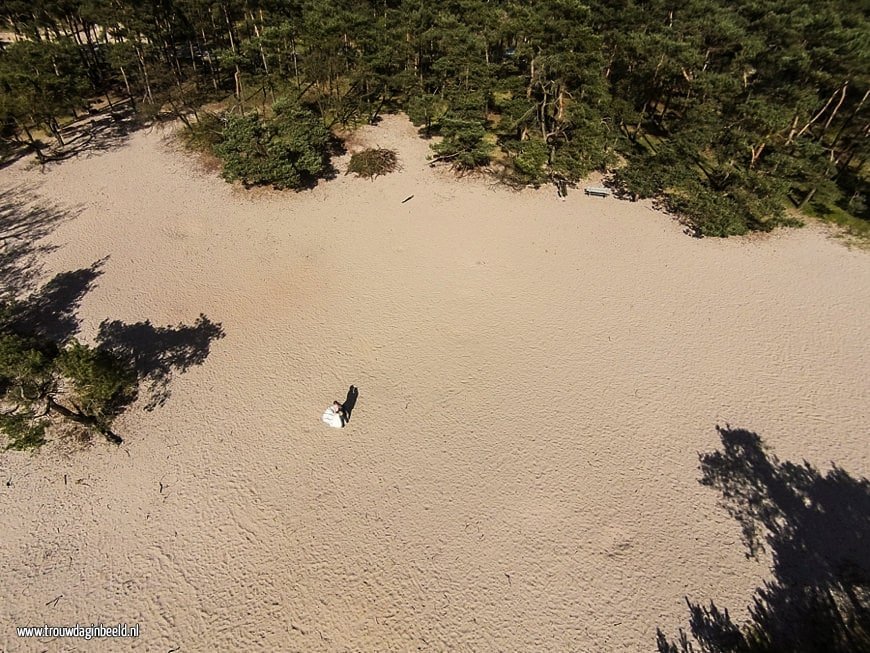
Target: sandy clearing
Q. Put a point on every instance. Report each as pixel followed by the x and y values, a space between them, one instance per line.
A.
pixel 536 375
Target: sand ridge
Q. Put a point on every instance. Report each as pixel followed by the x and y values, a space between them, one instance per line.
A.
pixel 537 376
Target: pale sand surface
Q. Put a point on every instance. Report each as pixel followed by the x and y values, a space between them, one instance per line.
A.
pixel 537 377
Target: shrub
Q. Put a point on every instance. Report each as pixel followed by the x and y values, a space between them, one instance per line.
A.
pixel 205 134
pixel 707 213
pixel 39 381
pixel 290 150
pixel 373 162
pixel 424 109
pixel 99 382
pixel 22 431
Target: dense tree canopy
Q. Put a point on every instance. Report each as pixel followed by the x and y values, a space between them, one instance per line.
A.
pixel 287 151
pixel 724 110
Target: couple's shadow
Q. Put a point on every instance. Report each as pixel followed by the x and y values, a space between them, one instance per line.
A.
pixel 350 402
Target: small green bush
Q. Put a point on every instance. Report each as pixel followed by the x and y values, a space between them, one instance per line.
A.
pixel 40 382
pixel 22 431
pixel 99 382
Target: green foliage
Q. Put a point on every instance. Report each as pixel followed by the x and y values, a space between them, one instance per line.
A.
pixel 47 76
pixel 463 143
pixel 206 133
pixel 529 160
pixel 425 109
pixel 707 212
pixel 23 432
pixel 649 174
pixel 760 101
pixel 99 383
pixel 26 367
pixel 38 380
pixel 372 162
pixel 41 81
pixel 580 156
pixel 289 150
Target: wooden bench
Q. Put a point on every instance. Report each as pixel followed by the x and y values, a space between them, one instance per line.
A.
pixel 597 190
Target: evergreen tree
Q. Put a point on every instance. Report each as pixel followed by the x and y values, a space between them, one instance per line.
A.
pixel 41 382
pixel 288 150
pixel 761 102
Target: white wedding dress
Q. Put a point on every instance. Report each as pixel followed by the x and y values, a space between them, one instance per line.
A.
pixel 332 418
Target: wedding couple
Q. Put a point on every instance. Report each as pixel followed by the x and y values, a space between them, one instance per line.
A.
pixel 337 415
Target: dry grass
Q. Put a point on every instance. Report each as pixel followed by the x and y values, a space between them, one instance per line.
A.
pixel 373 162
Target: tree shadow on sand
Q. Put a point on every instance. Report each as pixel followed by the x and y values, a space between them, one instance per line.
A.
pixel 816 528
pixel 46 311
pixel 23 226
pixel 41 321
pixel 157 353
pixel 100 131
pixel 51 311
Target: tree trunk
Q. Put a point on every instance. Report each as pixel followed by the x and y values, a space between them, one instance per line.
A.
pixel 87 420
pixel 836 109
pixel 793 131
pixel 807 197
pixel 144 70
pixel 229 29
pixel 756 152
pixel 55 129
pixel 93 69
pixel 295 62
pixel 33 143
pixel 180 114
pixel 211 70
pixel 237 78
pixel 817 116
pixel 849 120
pixel 192 59
pixel 127 86
pixel 260 44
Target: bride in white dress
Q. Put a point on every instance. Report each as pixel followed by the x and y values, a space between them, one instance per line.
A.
pixel 334 416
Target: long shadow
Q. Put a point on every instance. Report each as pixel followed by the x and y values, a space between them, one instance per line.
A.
pixel 12 151
pixel 51 312
pixel 816 528
pixel 46 311
pixel 157 353
pixel 47 314
pixel 101 131
pixel 24 223
pixel 350 401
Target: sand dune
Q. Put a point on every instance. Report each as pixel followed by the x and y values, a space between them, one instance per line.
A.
pixel 536 379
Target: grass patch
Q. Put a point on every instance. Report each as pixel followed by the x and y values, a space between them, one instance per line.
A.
pixel 205 133
pixel 830 210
